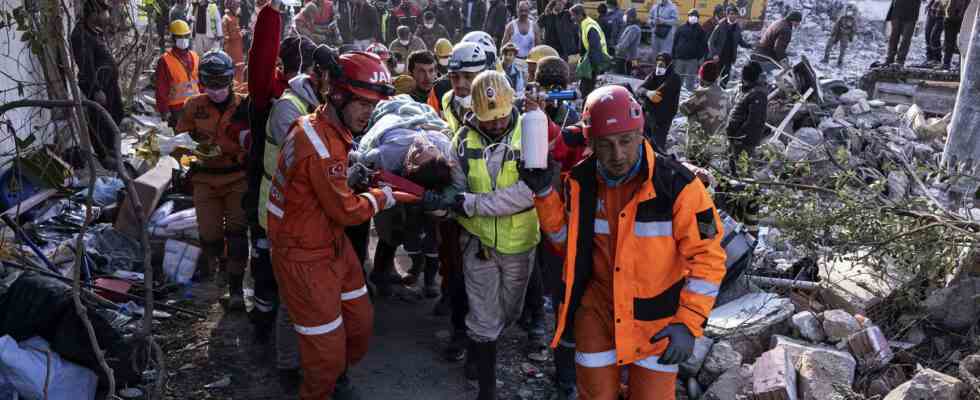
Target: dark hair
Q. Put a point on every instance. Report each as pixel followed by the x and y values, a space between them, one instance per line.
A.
pixel 297 53
pixel 602 9
pixel 434 174
pixel 420 57
pixel 577 9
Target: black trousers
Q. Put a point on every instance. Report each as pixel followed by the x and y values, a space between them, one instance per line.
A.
pixel 934 37
pixel 586 86
pixel 952 29
pixel 899 41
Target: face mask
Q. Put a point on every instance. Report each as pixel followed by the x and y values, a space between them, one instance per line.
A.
pixel 404 42
pixel 465 102
pixel 692 20
pixel 400 68
pixel 661 71
pixel 183 44
pixel 444 61
pixel 429 26
pixel 731 20
pixel 217 95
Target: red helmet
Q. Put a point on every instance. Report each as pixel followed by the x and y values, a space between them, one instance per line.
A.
pixel 611 110
pixel 380 50
pixel 365 75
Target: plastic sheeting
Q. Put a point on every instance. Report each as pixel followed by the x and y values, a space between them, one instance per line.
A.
pixel 180 261
pixel 389 150
pixel 39 373
pixel 401 112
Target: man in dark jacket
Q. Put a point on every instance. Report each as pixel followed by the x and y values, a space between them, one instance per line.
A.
pixel 903 14
pixel 690 48
pixel 772 46
pixel 474 13
pixel 367 29
pixel 612 24
pixel 724 43
pixel 955 9
pixel 561 32
pixel 98 76
pixel 496 22
pixel 710 24
pixel 594 51
pixel 430 31
pixel 661 94
pixel 747 122
pixel 450 17
pixel 343 11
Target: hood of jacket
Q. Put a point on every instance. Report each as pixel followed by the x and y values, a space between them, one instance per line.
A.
pixel 302 86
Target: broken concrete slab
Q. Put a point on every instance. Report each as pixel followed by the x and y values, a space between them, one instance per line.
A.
pixel 693 364
pixel 839 325
pixel 734 384
pixel 774 377
pixel 928 384
pixel 870 347
pixel 861 107
pixel 796 348
pixel 855 287
pixel 853 96
pixel 956 306
pixel 749 321
pixel 805 324
pixel 722 357
pixel 820 372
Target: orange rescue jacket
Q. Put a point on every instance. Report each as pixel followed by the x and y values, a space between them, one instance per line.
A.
pixel 228 130
pixel 183 83
pixel 669 259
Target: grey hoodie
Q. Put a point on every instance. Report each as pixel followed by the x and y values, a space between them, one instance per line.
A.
pixel 284 112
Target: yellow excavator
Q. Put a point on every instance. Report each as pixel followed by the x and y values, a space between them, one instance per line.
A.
pixel 752 12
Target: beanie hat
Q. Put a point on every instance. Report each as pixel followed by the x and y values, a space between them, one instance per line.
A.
pixel 795 16
pixel 694 11
pixel 751 72
pixel 296 53
pixel 709 71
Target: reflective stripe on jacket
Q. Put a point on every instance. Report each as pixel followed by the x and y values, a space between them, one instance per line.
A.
pixel 669 260
pixel 449 112
pixel 589 23
pixel 182 85
pixel 271 158
pixel 510 234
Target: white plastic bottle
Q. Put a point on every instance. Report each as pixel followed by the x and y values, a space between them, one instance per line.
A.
pixel 534 139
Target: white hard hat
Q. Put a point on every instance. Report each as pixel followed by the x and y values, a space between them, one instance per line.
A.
pixel 468 57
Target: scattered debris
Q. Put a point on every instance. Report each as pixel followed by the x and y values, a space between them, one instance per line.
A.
pixel 928 384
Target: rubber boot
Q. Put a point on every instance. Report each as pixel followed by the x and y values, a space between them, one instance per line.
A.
pixel 487 370
pixel 345 389
pixel 471 366
pixel 290 381
pixel 458 344
pixel 565 373
pixel 431 270
pixel 236 299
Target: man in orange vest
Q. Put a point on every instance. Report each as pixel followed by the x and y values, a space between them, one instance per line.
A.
pixel 176 74
pixel 643 255
pixel 310 203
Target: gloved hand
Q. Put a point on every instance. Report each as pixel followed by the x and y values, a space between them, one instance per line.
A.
pixel 654 96
pixel 572 136
pixel 394 197
pixel 458 205
pixel 680 343
pixel 433 200
pixel 358 177
pixel 539 180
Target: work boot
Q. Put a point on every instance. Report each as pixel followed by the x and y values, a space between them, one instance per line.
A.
pixel 826 57
pixel 566 392
pixel 290 381
pixel 456 350
pixel 418 264
pixel 840 62
pixel 442 308
pixel 471 367
pixel 345 389
pixel 236 299
pixel 431 270
pixel 487 370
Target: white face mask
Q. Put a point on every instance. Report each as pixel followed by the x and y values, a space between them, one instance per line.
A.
pixel 183 44
pixel 692 20
pixel 465 102
pixel 429 26
pixel 661 71
pixel 399 68
pixel 404 42
pixel 444 61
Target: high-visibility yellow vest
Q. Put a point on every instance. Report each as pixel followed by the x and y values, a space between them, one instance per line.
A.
pixel 589 23
pixel 447 112
pixel 270 161
pixel 512 234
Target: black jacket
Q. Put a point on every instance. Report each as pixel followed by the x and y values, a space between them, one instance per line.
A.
pixel 479 14
pixel 904 10
pixel 343 10
pixel 367 22
pixel 669 87
pixel 97 70
pixel 496 21
pixel 747 124
pixel 612 25
pixel 450 17
pixel 561 33
pixel 725 41
pixel 690 42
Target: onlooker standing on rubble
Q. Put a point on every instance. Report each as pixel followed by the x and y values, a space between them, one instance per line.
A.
pixel 663 20
pixel 710 24
pixel 514 75
pixel 343 13
pixel 955 9
pixel 366 29
pixel 724 43
pixel 628 45
pixel 627 211
pixel 775 40
pixel 182 10
pixel 747 122
pixel 523 32
pixel 613 23
pixel 98 77
pixel 431 31
pixel 234 42
pixel 474 12
pixel 706 111
pixel 843 34
pixel 935 22
pixel 903 15
pixel 218 119
pixel 690 49
pixel 207 26
pixel 316 21
pixel 497 17
pixel 176 74
pixel 405 45
pixel 561 32
pixel 596 60
pixel 661 93
pixel 450 17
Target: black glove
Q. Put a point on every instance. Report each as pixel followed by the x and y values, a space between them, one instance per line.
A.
pixel 358 177
pixel 680 344
pixel 572 136
pixel 433 200
pixel 539 180
pixel 457 205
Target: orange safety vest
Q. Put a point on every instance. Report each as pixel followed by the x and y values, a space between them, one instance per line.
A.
pixel 182 87
pixel 669 260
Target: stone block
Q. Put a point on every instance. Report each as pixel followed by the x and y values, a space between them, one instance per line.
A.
pixel 807 325
pixel 929 384
pixel 722 357
pixel 693 364
pixel 734 384
pixel 839 325
pixel 774 377
pixel 821 372
pixel 750 321
pixel 870 347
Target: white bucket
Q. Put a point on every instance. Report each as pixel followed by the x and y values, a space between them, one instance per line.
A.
pixel 534 140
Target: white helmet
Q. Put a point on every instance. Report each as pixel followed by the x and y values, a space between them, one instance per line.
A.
pixel 486 41
pixel 468 57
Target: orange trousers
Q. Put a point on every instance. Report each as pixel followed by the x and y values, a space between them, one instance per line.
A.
pixel 327 299
pixel 221 220
pixel 596 372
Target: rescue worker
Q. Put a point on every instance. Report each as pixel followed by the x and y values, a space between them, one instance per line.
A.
pixel 486 42
pixel 661 91
pixel 535 55
pixel 724 42
pixel 176 74
pixel 234 41
pixel 405 45
pixel 643 255
pixel 467 61
pixel 218 120
pixel 775 40
pixel 382 52
pixel 706 110
pixel 500 228
pixel 309 205
pixel 443 50
pixel 515 76
pixel 663 17
pixel 594 46
pixel 843 34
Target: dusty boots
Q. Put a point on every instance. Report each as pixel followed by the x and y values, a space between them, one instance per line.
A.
pixel 487 370
pixel 431 289
pixel 344 389
pixel 236 299
pixel 471 367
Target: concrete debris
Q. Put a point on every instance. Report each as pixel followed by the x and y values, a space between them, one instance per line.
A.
pixel 821 371
pixel 774 377
pixel 693 364
pixel 734 384
pixel 970 373
pixel 796 348
pixel 956 306
pixel 898 185
pixel 839 324
pixel 870 347
pixel 854 287
pixel 860 107
pixel 806 324
pixel 722 357
pixel 749 321
pixel 929 384
pixel 853 96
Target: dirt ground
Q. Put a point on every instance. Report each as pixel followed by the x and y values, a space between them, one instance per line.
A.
pixel 405 360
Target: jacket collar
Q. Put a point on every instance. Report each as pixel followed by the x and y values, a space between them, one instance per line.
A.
pixel 586 172
pixel 327 114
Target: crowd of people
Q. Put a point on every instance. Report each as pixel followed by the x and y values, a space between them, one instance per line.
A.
pixel 314 121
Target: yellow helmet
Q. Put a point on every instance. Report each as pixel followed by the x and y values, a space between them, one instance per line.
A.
pixel 180 28
pixel 443 48
pixel 539 52
pixel 404 84
pixel 493 98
